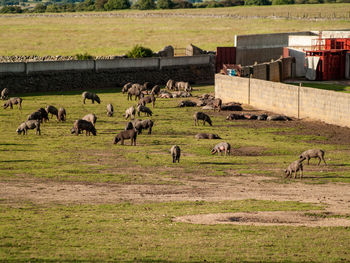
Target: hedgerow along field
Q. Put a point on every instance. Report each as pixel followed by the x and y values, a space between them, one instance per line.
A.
pixel 137 225
pixel 115 33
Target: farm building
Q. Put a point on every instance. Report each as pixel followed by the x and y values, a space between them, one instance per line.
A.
pixel 316 55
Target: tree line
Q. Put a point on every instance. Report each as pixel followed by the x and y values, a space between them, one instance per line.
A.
pixel 13 6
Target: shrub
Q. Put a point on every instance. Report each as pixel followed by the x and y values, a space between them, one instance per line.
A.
pixel 11 9
pixel 165 4
pixel 227 3
pixel 257 2
pixel 117 4
pixel 100 4
pixel 139 52
pixel 283 2
pixel 182 4
pixel 144 4
pixel 84 56
pixel 39 8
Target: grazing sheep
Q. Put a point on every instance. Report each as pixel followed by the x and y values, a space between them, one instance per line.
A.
pixel 126 87
pixel 110 110
pixel 155 90
pixel 53 110
pixel 13 101
pixel 123 135
pixel 217 103
pixel 131 124
pixel 201 116
pixel 62 114
pixel 31 124
pixel 91 96
pixel 4 93
pixel 294 167
pixel 130 112
pixel 187 103
pixel 91 118
pixel 210 136
pixel 135 90
pixel 222 147
pixel 147 99
pixel 143 125
pixel 81 125
pixel 181 85
pixel 278 118
pixel 170 85
pixel 234 116
pixel 176 153
pixel 313 153
pixel 146 110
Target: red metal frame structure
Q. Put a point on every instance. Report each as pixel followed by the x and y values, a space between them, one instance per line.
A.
pixel 332 53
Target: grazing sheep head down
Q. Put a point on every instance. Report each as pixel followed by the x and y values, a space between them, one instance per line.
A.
pixel 97 98
pixel 213 151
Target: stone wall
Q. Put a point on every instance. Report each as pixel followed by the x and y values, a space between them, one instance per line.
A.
pixel 55 77
pixel 300 102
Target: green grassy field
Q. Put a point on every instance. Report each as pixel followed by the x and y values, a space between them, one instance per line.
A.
pixel 103 34
pixel 133 232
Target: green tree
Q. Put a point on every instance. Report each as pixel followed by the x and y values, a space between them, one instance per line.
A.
pixel 100 4
pixel 39 8
pixel 257 2
pixel 165 4
pixel 144 4
pixel 117 4
pixel 182 4
pixel 283 2
pixel 87 5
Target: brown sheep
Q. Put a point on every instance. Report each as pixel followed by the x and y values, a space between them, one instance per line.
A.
pixel 110 110
pixel 123 135
pixel 217 103
pixel 295 167
pixel 222 147
pixel 210 136
pixel 13 101
pixel 4 93
pixel 126 87
pixel 176 153
pixel 313 153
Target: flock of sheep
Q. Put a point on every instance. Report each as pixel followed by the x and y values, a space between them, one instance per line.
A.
pixel 135 126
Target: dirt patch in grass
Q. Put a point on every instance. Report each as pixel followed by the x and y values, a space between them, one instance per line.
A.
pixel 275 218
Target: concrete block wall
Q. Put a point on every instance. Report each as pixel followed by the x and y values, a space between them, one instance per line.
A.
pixel 275 71
pixel 329 106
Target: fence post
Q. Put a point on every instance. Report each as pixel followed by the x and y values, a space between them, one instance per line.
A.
pixel 299 100
pixel 250 76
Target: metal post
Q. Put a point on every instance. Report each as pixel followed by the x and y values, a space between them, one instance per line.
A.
pixel 299 100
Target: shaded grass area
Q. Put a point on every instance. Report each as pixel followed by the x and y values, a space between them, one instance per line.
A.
pixel 106 34
pixel 59 155
pixel 145 233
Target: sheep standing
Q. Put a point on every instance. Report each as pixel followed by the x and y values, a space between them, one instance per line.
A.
pixel 4 93
pixel 176 153
pixel 170 85
pixel 128 134
pixel 110 110
pixel 130 112
pixel 201 116
pixel 38 115
pixel 313 153
pixel 294 167
pixel 91 118
pixel 13 101
pixel 53 110
pixel 147 99
pixel 143 125
pixel 91 96
pixel 25 126
pixel 217 103
pixel 222 147
pixel 181 85
pixel 62 114
pixel 155 90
